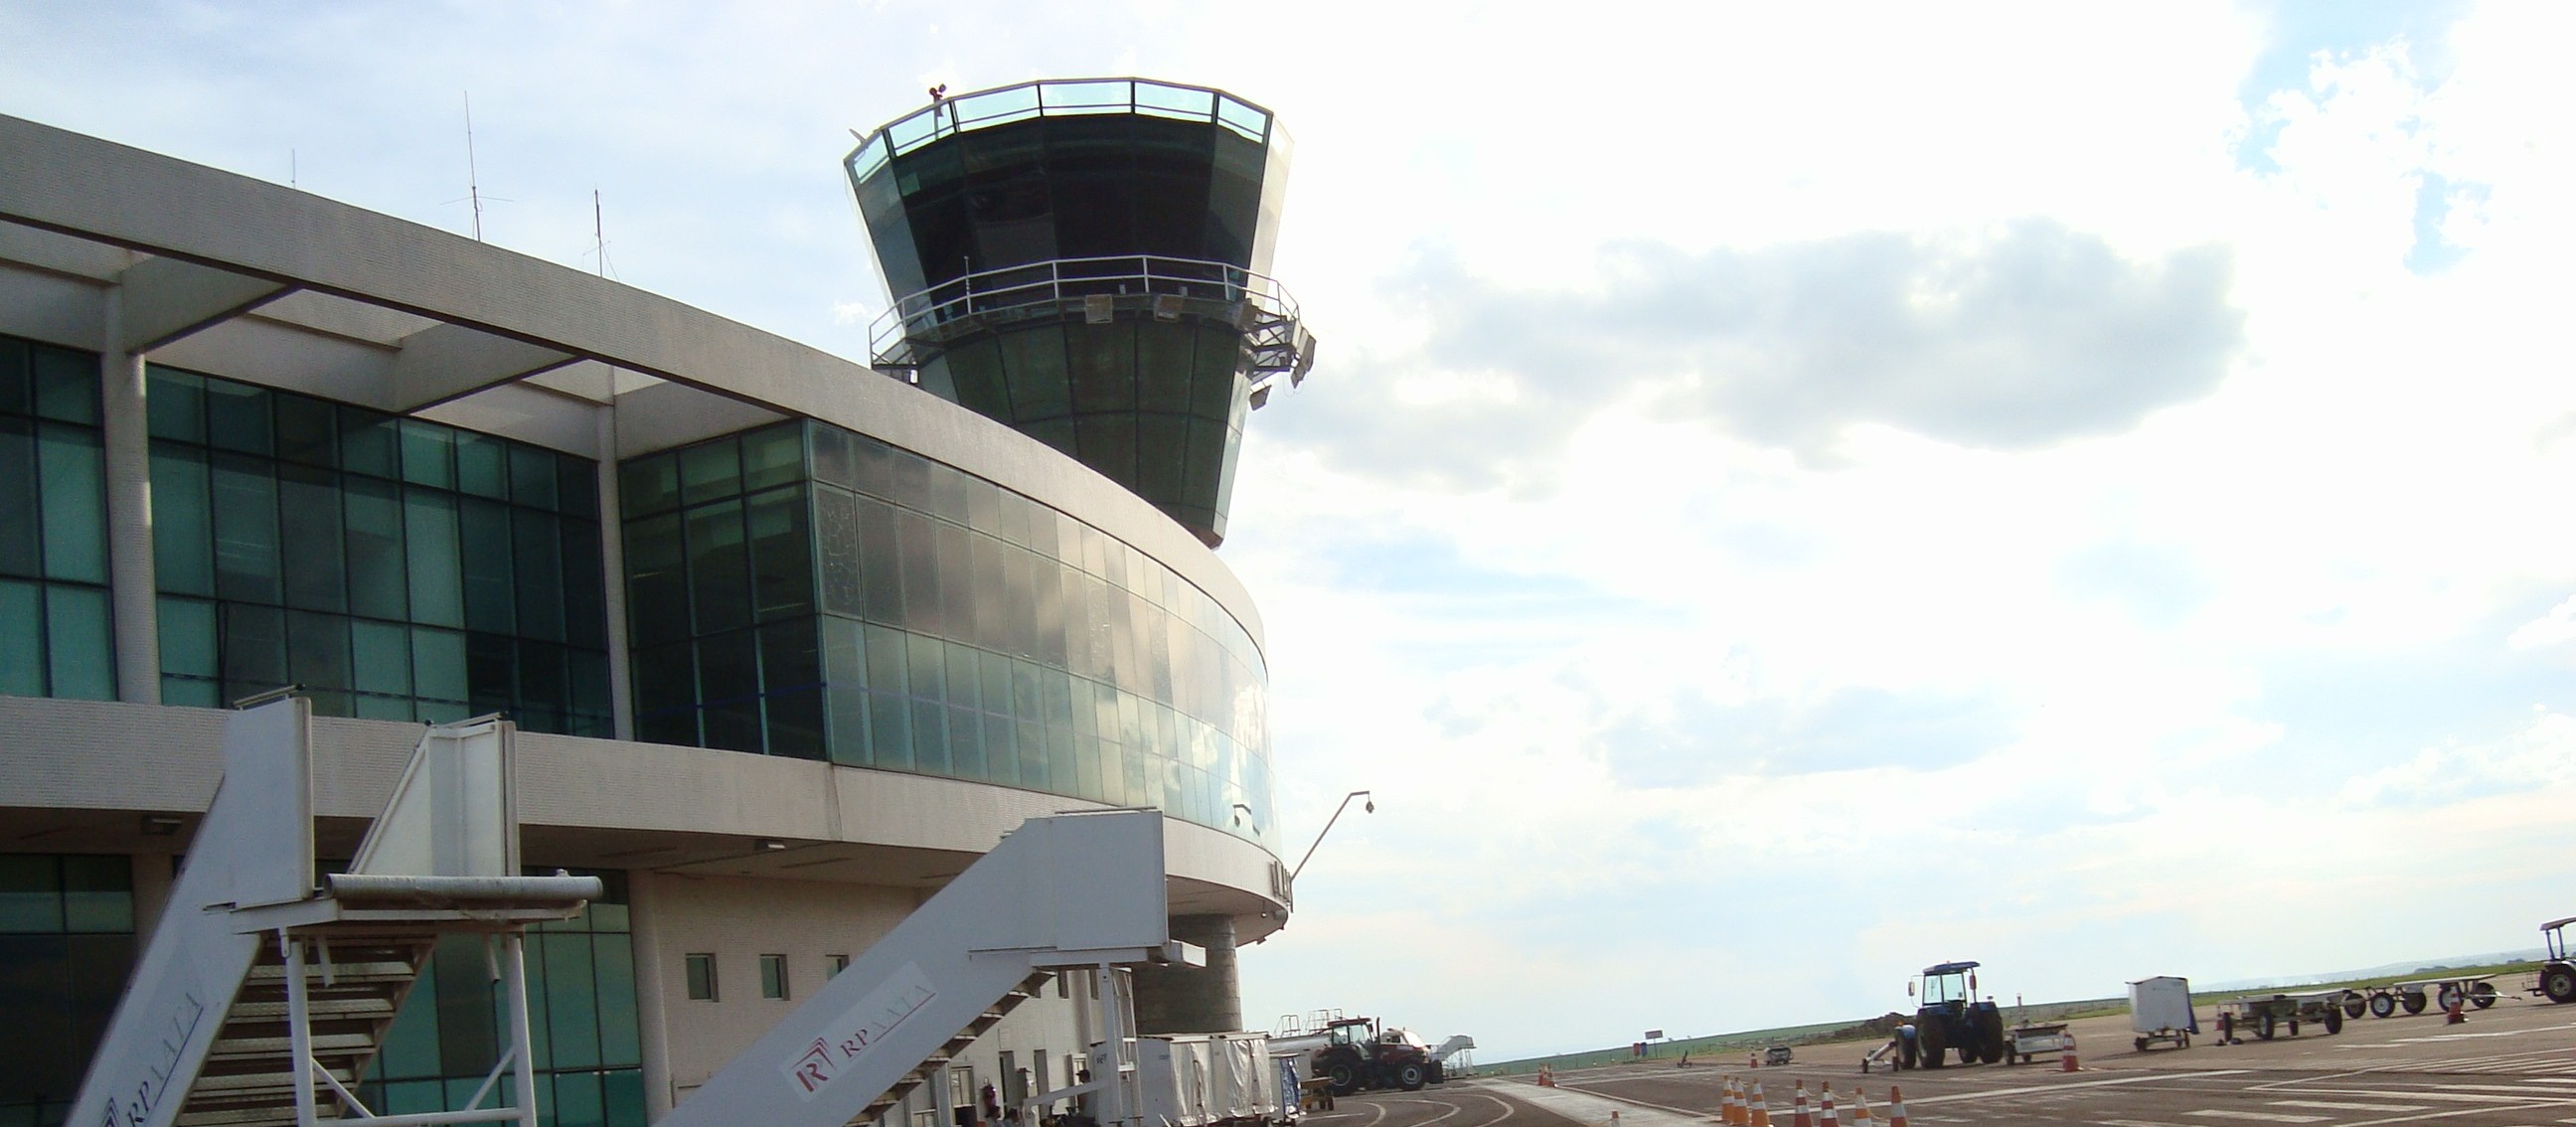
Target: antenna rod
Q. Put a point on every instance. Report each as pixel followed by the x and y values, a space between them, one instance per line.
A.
pixel 598 232
pixel 473 186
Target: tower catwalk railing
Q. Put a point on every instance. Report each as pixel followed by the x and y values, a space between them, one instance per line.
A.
pixel 916 329
pixel 1055 97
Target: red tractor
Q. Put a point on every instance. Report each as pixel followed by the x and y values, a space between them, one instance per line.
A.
pixel 1357 1056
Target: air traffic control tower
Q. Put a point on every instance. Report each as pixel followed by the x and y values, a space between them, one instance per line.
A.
pixel 1087 262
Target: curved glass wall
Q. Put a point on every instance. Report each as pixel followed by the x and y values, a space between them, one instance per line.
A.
pixel 803 590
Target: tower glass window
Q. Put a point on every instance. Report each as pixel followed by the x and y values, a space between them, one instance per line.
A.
pixel 397 569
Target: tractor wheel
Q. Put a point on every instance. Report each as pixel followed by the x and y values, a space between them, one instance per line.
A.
pixel 1409 1076
pixel 2263 1026
pixel 2414 1002
pixel 2141 1043
pixel 2383 1004
pixel 1995 1048
pixel 2482 995
pixel 1933 1049
pixel 2334 1021
pixel 1344 1077
pixel 2558 981
pixel 2450 996
pixel 2354 1005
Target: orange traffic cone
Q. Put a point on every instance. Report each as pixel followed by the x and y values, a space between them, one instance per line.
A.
pixel 1731 1106
pixel 1860 1109
pixel 1761 1110
pixel 1798 1114
pixel 1896 1106
pixel 1825 1116
pixel 1546 1079
pixel 2459 1014
pixel 2066 1060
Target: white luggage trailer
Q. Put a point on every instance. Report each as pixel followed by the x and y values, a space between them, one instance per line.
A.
pixel 2023 1040
pixel 2160 1012
pixel 2265 1014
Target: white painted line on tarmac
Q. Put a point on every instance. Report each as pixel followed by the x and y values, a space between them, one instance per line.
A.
pixel 2256 1116
pixel 1595 1108
pixel 2137 1123
pixel 2147 1078
pixel 2331 1105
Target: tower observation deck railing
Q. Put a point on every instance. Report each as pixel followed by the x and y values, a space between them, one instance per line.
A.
pixel 1056 98
pixel 1275 339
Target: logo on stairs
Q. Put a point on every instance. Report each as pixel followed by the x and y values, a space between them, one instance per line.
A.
pixel 859 1029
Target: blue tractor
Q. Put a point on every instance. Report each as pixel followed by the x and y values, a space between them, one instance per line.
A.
pixel 1950 1018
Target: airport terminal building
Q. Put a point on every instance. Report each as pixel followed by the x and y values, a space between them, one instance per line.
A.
pixel 790 639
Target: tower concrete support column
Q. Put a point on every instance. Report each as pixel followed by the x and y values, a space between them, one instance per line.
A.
pixel 133 593
pixel 1205 999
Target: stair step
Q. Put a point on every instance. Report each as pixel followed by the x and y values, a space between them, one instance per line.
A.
pixel 243 1048
pixel 242 1084
pixel 374 970
pixel 363 1005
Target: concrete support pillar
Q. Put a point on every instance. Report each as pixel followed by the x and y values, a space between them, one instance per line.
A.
pixel 652 996
pixel 1205 999
pixel 133 589
pixel 612 550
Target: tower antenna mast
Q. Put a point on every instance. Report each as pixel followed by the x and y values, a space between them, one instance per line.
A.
pixel 473 184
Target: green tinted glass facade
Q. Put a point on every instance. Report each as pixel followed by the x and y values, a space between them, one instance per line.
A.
pixel 1156 406
pixel 66 945
pixel 581 1018
pixel 803 590
pixel 56 633
pixel 397 569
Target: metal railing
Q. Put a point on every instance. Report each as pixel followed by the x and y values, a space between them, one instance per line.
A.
pixel 1055 98
pixel 1091 287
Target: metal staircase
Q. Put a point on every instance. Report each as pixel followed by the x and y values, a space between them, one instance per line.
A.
pixel 264 994
pixel 1069 891
pixel 930 1065
pixel 249 1074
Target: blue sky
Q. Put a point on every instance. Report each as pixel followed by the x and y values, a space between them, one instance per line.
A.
pixel 1787 497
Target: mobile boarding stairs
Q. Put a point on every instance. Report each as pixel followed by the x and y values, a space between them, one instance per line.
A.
pixel 264 994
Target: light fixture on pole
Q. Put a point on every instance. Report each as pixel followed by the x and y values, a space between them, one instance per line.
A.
pixel 1368 807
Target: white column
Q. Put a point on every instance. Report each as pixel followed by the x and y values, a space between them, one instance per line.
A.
pixel 644 916
pixel 612 548
pixel 132 586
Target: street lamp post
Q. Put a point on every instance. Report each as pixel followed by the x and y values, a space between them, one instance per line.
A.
pixel 1369 807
